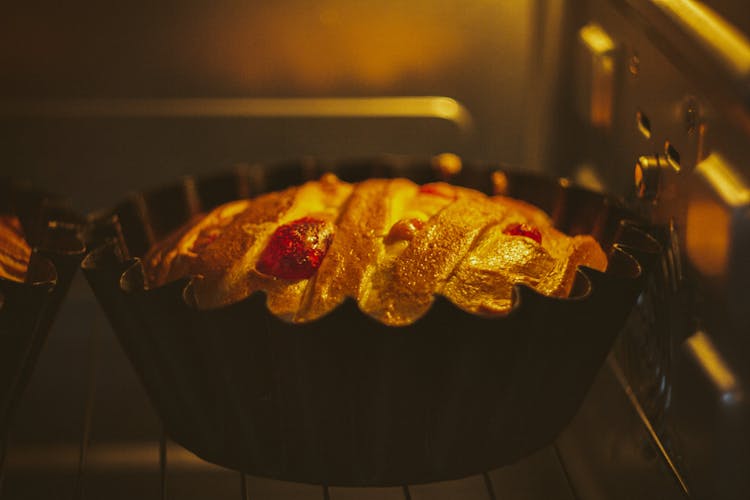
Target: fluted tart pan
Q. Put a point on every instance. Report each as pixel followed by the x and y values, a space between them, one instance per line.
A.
pixel 28 308
pixel 346 400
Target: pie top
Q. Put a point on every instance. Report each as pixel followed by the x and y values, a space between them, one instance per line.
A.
pixel 390 244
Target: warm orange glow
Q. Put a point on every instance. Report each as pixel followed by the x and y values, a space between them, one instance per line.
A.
pixel 499 183
pixel 709 215
pixel 708 236
pixel 333 43
pixel 596 38
pixel 265 48
pixel 447 164
pixel 600 47
pixel 716 34
pixel 587 176
pixel 638 175
pixel 713 364
pixel 730 187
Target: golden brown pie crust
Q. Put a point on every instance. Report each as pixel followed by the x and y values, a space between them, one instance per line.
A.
pixel 396 244
pixel 14 251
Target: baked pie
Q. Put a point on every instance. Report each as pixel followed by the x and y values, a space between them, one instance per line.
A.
pixel 390 244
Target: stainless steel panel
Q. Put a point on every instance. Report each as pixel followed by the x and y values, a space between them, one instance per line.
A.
pixel 680 106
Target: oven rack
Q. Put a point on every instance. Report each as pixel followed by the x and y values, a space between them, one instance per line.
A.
pixel 85 430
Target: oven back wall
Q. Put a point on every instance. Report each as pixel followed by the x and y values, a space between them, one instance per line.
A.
pixel 96 100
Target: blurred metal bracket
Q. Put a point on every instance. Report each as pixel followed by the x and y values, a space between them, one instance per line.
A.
pixel 437 107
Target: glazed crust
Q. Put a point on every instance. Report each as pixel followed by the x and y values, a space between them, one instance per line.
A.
pixel 396 244
pixel 14 251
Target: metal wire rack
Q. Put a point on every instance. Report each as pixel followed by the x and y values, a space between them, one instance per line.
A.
pixel 85 430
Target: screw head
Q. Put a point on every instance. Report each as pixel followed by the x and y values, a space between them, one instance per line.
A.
pixel 691 114
pixel 634 65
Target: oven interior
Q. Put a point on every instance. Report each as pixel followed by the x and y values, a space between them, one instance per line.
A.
pixel 648 100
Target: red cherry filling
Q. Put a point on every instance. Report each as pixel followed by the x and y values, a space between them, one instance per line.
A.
pixel 296 250
pixel 438 189
pixel 520 229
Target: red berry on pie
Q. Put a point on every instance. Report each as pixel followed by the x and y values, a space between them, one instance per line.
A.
pixel 527 230
pixel 296 250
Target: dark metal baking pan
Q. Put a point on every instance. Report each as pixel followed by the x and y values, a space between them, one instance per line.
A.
pixel 28 309
pixel 345 400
